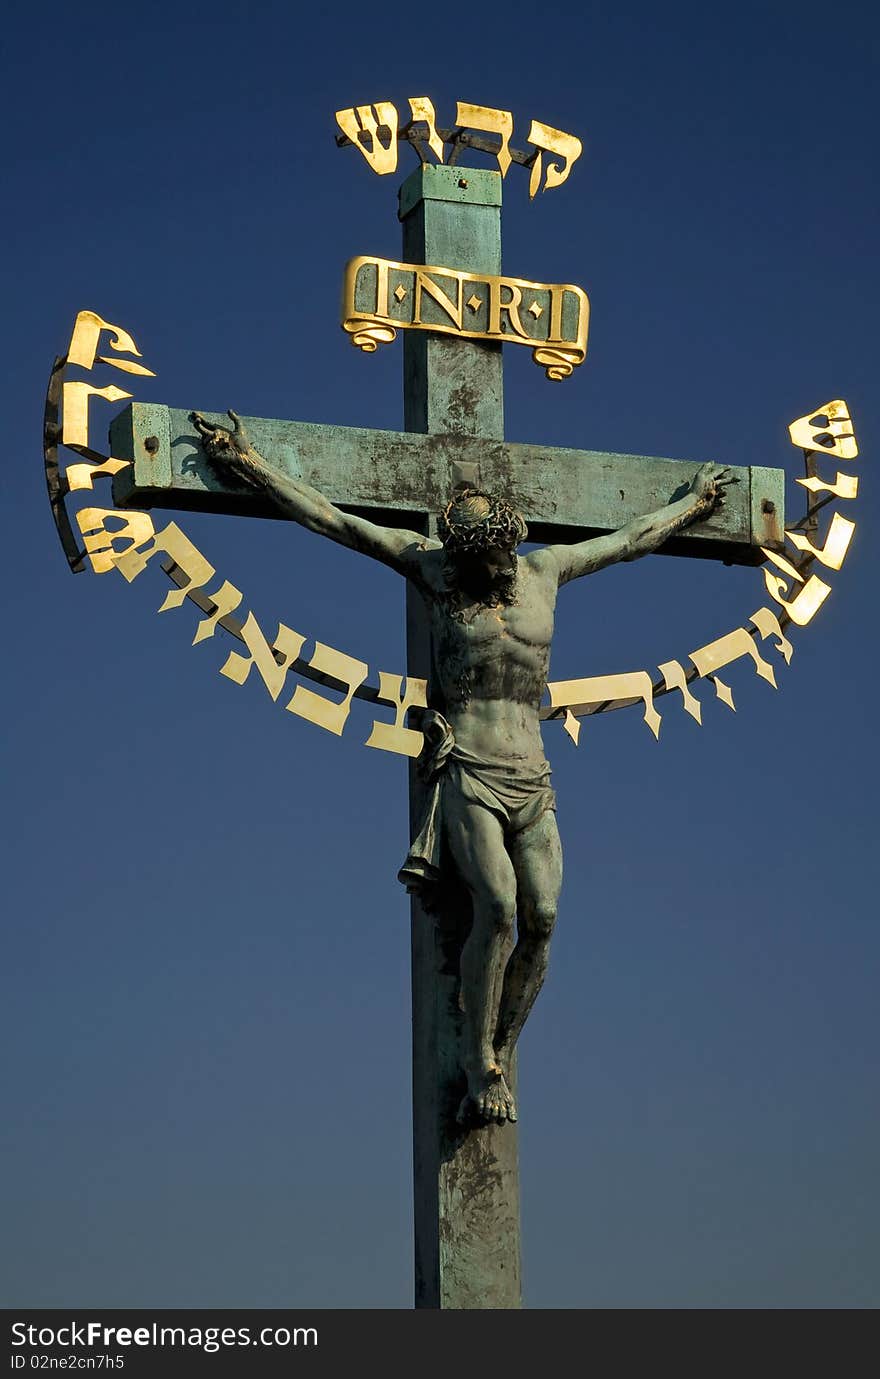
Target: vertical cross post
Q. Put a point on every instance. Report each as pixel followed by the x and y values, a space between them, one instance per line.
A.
pixel 467 1228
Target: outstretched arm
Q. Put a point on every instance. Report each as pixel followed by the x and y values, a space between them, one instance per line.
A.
pixel 232 450
pixel 644 534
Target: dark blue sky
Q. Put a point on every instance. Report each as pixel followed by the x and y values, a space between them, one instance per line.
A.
pixel 207 970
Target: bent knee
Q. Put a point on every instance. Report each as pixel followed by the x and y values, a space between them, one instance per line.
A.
pixel 499 910
pixel 539 921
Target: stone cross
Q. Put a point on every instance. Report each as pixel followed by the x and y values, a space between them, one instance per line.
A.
pixel 467 1222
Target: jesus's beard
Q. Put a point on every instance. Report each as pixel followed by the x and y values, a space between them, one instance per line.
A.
pixel 471 582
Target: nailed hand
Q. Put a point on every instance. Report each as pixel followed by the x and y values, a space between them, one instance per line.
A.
pixel 229 447
pixel 708 485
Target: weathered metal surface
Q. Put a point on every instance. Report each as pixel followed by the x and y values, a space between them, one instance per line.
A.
pixel 449 388
pixel 466 1182
pixel 395 478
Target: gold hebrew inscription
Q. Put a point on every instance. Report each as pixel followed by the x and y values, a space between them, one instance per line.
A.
pixel 492 121
pixel 188 557
pixel 810 598
pixel 75 417
pixel 833 553
pixel 423 112
pixel 98 539
pixel 361 124
pixel 729 648
pixel 674 678
pixel 844 486
pixel 271 663
pixel 396 737
pixel 225 601
pixel 198 570
pixel 83 346
pixel 581 695
pixel 828 429
pixel 549 140
pixel 783 564
pixel 81 476
pixel 324 712
pixel 768 625
pixel 375 130
pixel 572 726
pixel 724 692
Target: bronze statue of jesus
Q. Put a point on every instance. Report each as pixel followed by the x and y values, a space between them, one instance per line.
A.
pixel 490 811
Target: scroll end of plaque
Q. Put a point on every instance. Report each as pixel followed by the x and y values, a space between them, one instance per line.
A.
pixel 369 335
pixel 558 363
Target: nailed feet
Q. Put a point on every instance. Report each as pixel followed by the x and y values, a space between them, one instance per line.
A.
pixel 488 1099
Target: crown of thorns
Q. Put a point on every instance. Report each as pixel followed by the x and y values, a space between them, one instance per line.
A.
pixel 475 521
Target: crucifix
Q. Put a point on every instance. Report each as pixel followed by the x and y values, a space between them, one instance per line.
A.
pixel 446 502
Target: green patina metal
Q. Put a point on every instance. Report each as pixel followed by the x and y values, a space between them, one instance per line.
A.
pixel 467 1231
pixel 396 478
pixel 466 1181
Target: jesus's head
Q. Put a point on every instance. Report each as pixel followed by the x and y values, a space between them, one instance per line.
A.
pixel 480 534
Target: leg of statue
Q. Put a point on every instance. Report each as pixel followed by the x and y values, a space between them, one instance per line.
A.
pixel 476 841
pixel 536 855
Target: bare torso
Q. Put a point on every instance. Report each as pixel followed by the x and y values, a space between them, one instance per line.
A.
pixel 490 664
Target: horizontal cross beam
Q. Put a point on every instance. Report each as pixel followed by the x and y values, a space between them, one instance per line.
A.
pixel 396 478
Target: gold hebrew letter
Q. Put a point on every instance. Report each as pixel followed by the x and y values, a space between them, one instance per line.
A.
pixel 75 429
pixel 809 599
pixel 844 486
pixel 395 737
pixel 833 553
pixel 580 695
pixel 287 645
pixel 828 429
pixel 361 124
pixel 84 345
pixel 768 625
pixel 199 570
pixel 572 726
pixel 185 555
pixel 674 678
pixel 780 560
pixel 323 711
pixel 75 423
pixel 727 649
pixel 80 476
pixel 493 121
pixel 553 141
pixel 423 109
pixel 724 692
pixel 225 601
pixel 136 528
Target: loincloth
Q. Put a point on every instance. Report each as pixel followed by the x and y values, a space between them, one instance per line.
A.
pixel 517 793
